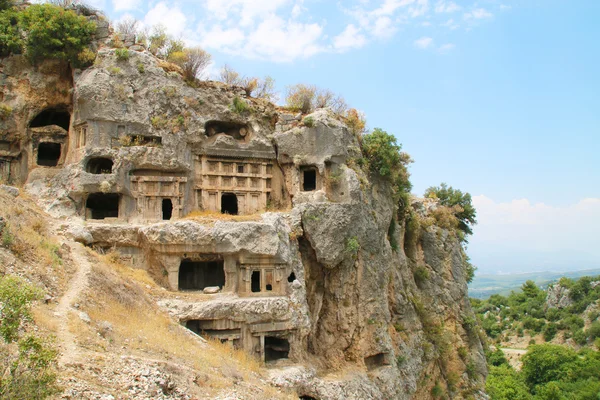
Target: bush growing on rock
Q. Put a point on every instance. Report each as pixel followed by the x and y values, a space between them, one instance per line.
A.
pixel 460 202
pixel 28 369
pixel 307 98
pixel 53 32
pixel 10 38
pixel 384 157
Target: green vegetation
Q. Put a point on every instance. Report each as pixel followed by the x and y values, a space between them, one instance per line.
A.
pixel 526 312
pixel 122 54
pixel 239 106
pixel 484 286
pixel 307 98
pixel 28 361
pixel 352 246
pixel 384 156
pixel 10 38
pixel 459 202
pixel 421 275
pixel 53 32
pixel 5 4
pixel 549 372
pixel 5 111
pixel 255 87
pixel 308 122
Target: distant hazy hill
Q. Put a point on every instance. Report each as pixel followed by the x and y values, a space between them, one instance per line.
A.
pixel 483 286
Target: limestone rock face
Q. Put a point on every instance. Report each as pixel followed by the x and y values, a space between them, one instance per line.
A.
pixel 315 272
pixel 558 297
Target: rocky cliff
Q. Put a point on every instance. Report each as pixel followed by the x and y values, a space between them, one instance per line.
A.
pixel 261 228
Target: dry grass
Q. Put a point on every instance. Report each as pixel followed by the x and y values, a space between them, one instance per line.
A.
pixel 118 296
pixel 213 216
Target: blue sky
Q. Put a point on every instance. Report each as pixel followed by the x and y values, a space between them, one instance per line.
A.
pixel 497 98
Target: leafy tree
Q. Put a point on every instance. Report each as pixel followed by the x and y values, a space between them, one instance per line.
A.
pixel 15 300
pixel 504 383
pixel 451 197
pixel 385 158
pixel 28 369
pixel 546 362
pixel 5 4
pixel 497 358
pixel 53 32
pixel 10 38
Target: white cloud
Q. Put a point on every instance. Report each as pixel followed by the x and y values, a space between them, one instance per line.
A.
pixel 451 24
pixel 125 5
pixel 446 48
pixel 247 10
pixel 419 9
pixel 423 42
pixel 349 38
pixel 219 38
pixel 171 18
pixel 282 41
pixel 444 6
pixel 545 235
pixel 478 13
pixel 383 28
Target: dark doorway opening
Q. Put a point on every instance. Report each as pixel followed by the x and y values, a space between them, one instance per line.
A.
pixel 269 288
pixel 99 165
pixel 167 209
pixel 305 397
pixel 229 204
pixel 292 277
pixel 309 181
pixel 52 116
pixel 255 282
pixel 103 205
pixel 276 348
pixel 48 154
pixel 375 361
pixel 197 275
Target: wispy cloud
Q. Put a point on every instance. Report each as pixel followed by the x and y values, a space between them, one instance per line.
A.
pixel 478 13
pixel 350 38
pixel 443 6
pixel 423 43
pixel 446 48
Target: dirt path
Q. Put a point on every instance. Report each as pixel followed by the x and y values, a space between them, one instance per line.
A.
pixel 514 356
pixel 76 285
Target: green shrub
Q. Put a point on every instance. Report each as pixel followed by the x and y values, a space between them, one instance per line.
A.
pixel 140 67
pixel 593 315
pixel 549 331
pixel 545 362
pixel 400 360
pixel 504 383
pixel 352 246
pixel 437 391
pixel 308 122
pixel 5 111
pixel 10 38
pixel 5 4
pixel 7 237
pixel 593 331
pixel 122 54
pixel 53 32
pixel 114 70
pixel 28 368
pixel 461 202
pixel 497 358
pixel 239 106
pixel 385 158
pixel 471 370
pixel 580 337
pixel 421 275
pixel 16 296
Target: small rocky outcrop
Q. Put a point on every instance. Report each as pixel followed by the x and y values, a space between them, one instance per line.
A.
pixel 558 296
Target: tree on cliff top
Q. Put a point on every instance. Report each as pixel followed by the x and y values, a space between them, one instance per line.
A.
pixel 53 32
pixel 385 157
pixel 450 197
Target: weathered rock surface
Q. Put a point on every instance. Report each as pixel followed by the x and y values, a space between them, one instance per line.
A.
pixel 336 267
pixel 558 297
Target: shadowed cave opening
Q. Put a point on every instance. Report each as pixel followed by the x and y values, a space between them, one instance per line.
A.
pixel 276 348
pixel 52 116
pixel 103 205
pixel 375 361
pixel 48 154
pixel 229 204
pixel 309 180
pixel 236 130
pixel 167 209
pixel 255 282
pixel 292 277
pixel 99 165
pixel 197 275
